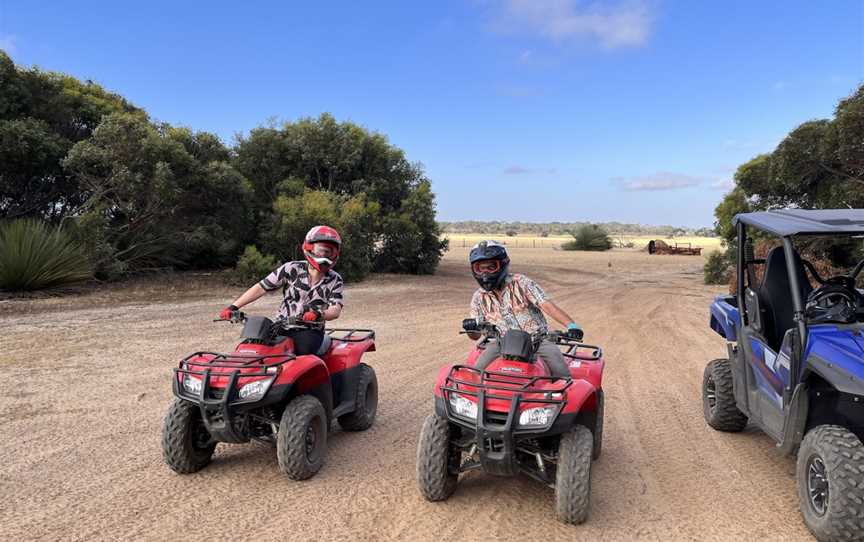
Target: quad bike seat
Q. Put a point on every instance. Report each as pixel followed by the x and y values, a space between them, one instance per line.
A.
pixel 325 346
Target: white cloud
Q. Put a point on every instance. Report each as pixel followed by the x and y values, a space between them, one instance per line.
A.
pixel 7 43
pixel 611 24
pixel 723 184
pixel 662 180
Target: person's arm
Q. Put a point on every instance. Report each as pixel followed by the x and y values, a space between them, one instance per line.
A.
pixel 269 283
pixel 332 312
pixel 556 313
pixel 537 296
pixel 250 295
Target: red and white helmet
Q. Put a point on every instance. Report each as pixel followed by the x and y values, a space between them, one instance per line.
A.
pixel 321 247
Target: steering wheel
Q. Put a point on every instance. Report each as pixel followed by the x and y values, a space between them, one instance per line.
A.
pixel 836 299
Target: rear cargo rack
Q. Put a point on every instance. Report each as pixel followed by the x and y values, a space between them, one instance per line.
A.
pixel 577 350
pixel 348 334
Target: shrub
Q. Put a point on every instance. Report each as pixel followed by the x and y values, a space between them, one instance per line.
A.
pixel 36 256
pixel 511 233
pixel 717 268
pixel 589 237
pixel 353 217
pixel 253 266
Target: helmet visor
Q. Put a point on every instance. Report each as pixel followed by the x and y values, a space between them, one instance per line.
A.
pixel 324 250
pixel 486 267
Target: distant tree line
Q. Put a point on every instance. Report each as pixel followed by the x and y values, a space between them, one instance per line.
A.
pixel 135 194
pixel 566 228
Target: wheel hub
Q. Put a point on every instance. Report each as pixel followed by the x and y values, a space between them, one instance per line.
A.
pixel 817 485
pixel 711 393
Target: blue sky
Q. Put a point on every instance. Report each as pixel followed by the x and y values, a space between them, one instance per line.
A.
pixel 637 111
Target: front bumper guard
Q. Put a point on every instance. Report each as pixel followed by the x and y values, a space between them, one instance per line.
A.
pixel 495 436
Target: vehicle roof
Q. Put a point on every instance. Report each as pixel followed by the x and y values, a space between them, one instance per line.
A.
pixel 785 222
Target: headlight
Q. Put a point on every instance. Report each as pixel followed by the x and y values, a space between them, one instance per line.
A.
pixel 192 384
pixel 462 406
pixel 537 416
pixel 255 390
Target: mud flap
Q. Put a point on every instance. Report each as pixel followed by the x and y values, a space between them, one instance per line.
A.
pixel 796 420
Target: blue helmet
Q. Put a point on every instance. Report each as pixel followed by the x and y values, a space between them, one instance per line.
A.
pixel 489 264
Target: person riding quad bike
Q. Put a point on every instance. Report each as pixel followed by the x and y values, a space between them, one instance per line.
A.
pixel 285 382
pixel 513 301
pixel 527 400
pixel 311 290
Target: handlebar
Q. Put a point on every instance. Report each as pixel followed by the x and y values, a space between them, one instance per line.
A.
pixel 237 317
pixel 489 331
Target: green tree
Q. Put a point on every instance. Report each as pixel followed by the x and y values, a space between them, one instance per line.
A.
pixel 353 216
pixel 345 160
pixel 411 240
pixel 42 115
pixel 735 202
pixel 150 203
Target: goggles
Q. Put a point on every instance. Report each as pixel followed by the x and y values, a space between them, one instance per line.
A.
pixel 324 250
pixel 486 267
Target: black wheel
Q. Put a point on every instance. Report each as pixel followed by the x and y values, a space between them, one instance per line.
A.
pixel 437 460
pixel 365 402
pixel 830 472
pixel 186 444
pixel 302 440
pixel 718 400
pixel 598 426
pixel 573 479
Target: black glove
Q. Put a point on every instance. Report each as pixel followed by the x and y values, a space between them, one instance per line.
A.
pixel 470 324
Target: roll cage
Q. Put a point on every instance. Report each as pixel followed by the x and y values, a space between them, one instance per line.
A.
pixel 786 224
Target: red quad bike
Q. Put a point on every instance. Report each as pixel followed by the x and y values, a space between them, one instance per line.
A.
pixel 515 418
pixel 263 392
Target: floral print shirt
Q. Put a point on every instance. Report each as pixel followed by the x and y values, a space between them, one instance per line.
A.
pixel 517 307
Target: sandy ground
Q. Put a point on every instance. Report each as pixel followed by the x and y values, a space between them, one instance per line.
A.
pixel 86 381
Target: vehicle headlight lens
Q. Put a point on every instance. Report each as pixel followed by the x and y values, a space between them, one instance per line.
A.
pixel 255 390
pixel 537 416
pixel 192 384
pixel 462 406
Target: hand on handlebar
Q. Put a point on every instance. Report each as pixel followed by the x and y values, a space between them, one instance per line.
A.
pixel 470 324
pixel 230 314
pixel 574 332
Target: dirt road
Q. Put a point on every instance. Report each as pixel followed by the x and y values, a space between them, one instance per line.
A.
pixel 86 381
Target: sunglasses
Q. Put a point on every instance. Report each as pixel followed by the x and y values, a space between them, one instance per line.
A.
pixel 485 267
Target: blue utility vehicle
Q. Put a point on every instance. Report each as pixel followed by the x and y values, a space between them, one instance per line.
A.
pixel 795 363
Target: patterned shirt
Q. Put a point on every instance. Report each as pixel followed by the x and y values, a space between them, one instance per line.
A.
pixel 297 293
pixel 518 307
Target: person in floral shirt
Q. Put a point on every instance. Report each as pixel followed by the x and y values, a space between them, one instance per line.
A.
pixel 513 301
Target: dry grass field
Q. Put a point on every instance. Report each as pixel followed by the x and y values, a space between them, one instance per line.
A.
pixel 85 382
pixel 466 240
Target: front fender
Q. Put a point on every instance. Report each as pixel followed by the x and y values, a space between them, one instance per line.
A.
pixel 725 318
pixel 305 373
pixel 581 396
